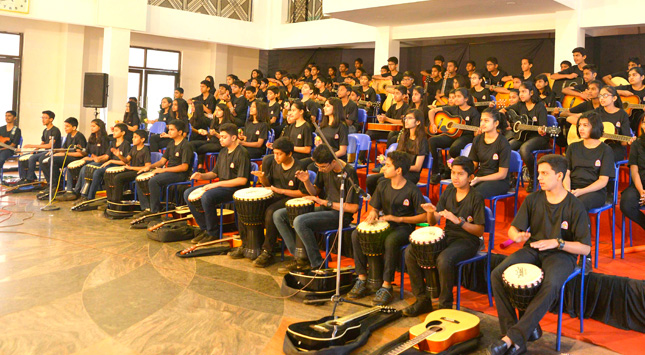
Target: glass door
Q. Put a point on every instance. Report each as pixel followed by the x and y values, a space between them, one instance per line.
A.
pixel 9 86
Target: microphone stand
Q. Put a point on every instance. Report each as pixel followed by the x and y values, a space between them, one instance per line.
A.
pixel 336 299
pixel 49 206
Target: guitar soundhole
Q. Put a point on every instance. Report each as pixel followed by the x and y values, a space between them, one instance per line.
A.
pixel 433 323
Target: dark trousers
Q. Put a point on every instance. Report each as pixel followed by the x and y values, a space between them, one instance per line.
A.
pixel 81 182
pixel 397 238
pixel 211 199
pixel 630 205
pixel 557 267
pixel 153 202
pixel 120 180
pixel 272 233
pixel 458 249
pixel 4 155
pixel 157 143
pixel 58 166
pixel 489 189
pixel 526 149
pixel 27 170
pixel 374 179
pixel 203 147
pixel 455 145
pixel 594 199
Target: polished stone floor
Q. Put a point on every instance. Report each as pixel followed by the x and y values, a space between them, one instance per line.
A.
pixel 78 283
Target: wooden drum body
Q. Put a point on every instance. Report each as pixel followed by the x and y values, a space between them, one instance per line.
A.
pixel 522 282
pixel 427 243
pixel 251 204
pixel 74 169
pixel 110 182
pixel 372 236
pixel 195 199
pixel 89 176
pixel 296 207
pixel 142 181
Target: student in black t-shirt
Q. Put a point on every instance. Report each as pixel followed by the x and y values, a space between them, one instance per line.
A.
pixel 343 72
pixel 464 210
pixel 321 85
pixel 565 64
pixel 413 141
pixel 240 104
pixel 400 201
pixel 309 91
pixel 298 131
pixel 477 90
pixel 350 109
pixel 590 163
pixel 589 73
pixel 526 75
pixel 131 119
pixel 494 75
pixel 463 107
pixel 221 116
pixel 547 96
pixel 471 67
pixel 491 154
pixel 367 93
pixel 136 159
pixel 593 90
pixel 98 145
pixel 278 174
pixel 179 156
pixel 27 170
pixel 164 112
pixel 199 123
pixel 179 111
pixel 179 93
pixel 233 169
pixel 334 129
pixel 325 191
pixel 256 130
pixel 531 106
pixel 632 62
pixel 460 81
pixel 394 115
pixel 636 88
pixel 419 101
pixel 394 74
pixel 10 135
pixel 275 102
pixel 633 197
pixel 434 82
pixel 332 72
pixel 574 71
pixel 206 97
pixel 292 90
pixel 559 233
pixel 75 143
pixel 449 77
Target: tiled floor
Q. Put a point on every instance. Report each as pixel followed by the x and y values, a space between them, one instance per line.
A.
pixel 76 282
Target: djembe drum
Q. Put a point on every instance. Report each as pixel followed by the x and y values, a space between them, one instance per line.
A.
pixel 89 176
pixel 74 169
pixel 427 243
pixel 142 182
pixel 295 207
pixel 522 282
pixel 251 203
pixel 23 162
pixel 372 236
pixel 195 199
pixel 110 183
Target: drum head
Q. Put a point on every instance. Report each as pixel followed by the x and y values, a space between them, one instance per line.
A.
pixel 24 157
pixel 196 194
pixel 297 202
pixel 426 235
pixel 115 170
pixel 145 176
pixel 76 164
pixel 252 194
pixel 376 227
pixel 523 275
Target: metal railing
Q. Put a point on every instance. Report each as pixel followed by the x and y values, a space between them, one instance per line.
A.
pixel 305 10
pixel 233 9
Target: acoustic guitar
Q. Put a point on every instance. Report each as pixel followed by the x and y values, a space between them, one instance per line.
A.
pixel 440 330
pixel 571 101
pixel 387 127
pixel 327 331
pixel 522 124
pixel 443 100
pixel 448 125
pixel 499 102
pixel 631 102
pixel 610 134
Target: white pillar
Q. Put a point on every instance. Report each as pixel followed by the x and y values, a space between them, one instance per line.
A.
pixel 116 55
pixel 71 80
pixel 568 35
pixel 384 47
pixel 219 63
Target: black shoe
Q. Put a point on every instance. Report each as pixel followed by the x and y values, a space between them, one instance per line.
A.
pixel 142 214
pixel 499 347
pixel 208 238
pixel 383 296
pixel 198 238
pixel 377 168
pixel 288 267
pixel 359 290
pixel 421 306
pixel 71 196
pixel 446 175
pixel 535 334
pixel 237 253
pixel 263 260
pixel 529 186
pixel 435 179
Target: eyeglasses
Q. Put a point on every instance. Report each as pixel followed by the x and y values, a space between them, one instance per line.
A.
pixel 603 96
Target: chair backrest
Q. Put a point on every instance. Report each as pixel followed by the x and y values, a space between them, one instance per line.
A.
pixel 352 145
pixel 280 118
pixel 254 167
pixel 313 141
pixel 466 151
pixel 489 227
pixel 158 127
pixel 515 165
pixel 362 117
pixel 391 148
pixel 300 95
pixel 551 121
pixel 312 176
pixel 270 139
pixel 426 199
pixel 190 131
pixel 195 162
pixel 427 162
pixel 363 141
pixel 558 104
pixel 155 157
pixel 493 98
pixel 319 116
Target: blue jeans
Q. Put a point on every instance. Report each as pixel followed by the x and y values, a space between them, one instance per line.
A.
pixel 211 199
pixel 31 166
pixel 81 178
pixel 306 225
pixel 97 181
pixel 153 202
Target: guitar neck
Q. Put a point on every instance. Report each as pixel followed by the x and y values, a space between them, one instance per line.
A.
pixel 365 102
pixel 412 342
pixel 561 109
pixel 636 106
pixel 483 103
pixel 527 127
pixel 616 137
pixel 464 127
pixel 351 317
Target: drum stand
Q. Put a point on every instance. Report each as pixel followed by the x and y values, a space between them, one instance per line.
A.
pixel 49 206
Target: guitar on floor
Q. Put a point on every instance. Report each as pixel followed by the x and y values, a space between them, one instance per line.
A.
pixel 610 134
pixel 440 330
pixel 522 124
pixel 327 331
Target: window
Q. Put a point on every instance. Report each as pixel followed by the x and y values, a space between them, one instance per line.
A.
pixel 153 75
pixel 10 62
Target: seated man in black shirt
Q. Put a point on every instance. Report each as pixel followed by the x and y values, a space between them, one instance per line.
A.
pixel 9 135
pixel 559 233
pixel 137 158
pixel 394 74
pixel 493 73
pixel 400 202
pixel 233 169
pixel 76 143
pixel 367 93
pixel 240 104
pixel 575 71
pixel 179 156
pixel 589 73
pixel 326 192
pixel 350 109
pixel 206 97
pixel 27 170
pixel 394 115
pixel 278 174
pixel 464 210
pixel 632 62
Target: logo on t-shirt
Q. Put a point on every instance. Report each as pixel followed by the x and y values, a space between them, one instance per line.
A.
pixel 177 154
pixel 290 182
pixel 232 165
pixel 597 162
pixel 495 156
pixel 467 118
pixel 299 136
pixel 336 136
pixel 470 219
pixel 534 119
pixel 564 225
pixel 406 202
pixel 98 145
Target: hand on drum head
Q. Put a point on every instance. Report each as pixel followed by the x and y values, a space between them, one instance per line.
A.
pixel 428 207
pixel 545 244
pixel 210 186
pixel 143 170
pixel 389 218
pixel 371 217
pixel 313 198
pixel 449 216
pixel 302 175
pixel 197 176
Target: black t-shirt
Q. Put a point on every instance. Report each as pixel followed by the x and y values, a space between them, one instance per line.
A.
pixel 620 120
pixel 621 74
pixel 471 116
pixel 531 77
pixel 197 124
pixel 300 136
pixel 255 132
pixel 572 69
pixel 231 165
pixel 480 96
pixel 283 179
pixel 132 120
pixel 396 79
pixel 336 136
pixel 312 109
pixel 329 184
pixel 52 132
pixel 209 102
pixel 410 148
pixel 124 148
pixel 98 148
pixel 164 117
pixel 397 114
pixel 325 93
pixel 181 153
pixel 537 114
pixel 549 99
pixel 261 95
pixel 78 140
pixel 587 165
pixel 241 106
pixel 139 157
pixel 495 80
pixel 294 93
pixel 471 208
pixel 368 95
pixel 491 157
pixel 404 202
pixel 433 88
pixel 637 156
pixel 351 113
pixel 567 220
pixel 274 111
pixel 583 107
pixel 581 87
pixel 14 134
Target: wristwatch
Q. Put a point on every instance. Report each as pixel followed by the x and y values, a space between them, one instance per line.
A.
pixel 330 204
pixel 560 243
pixel 461 221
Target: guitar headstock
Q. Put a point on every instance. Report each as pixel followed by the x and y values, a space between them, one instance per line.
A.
pixel 554 131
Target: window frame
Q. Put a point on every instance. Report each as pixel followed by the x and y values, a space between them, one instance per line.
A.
pixel 145 70
pixel 17 82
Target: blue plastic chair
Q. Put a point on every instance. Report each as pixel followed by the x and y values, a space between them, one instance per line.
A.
pixel 155 157
pixel 254 167
pixel 363 143
pixel 578 271
pixel 329 233
pixel 489 228
pixel 515 167
pixel 608 207
pixel 362 119
pixel 270 138
pixel 631 241
pixel 551 122
pixel 11 157
pixel 464 153
pixel 191 182
pixel 427 200
pixel 427 164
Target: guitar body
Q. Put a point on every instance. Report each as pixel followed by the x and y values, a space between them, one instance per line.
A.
pixel 389 101
pixel 5 139
pixel 630 100
pixel 443 121
pixel 515 119
pixel 443 101
pixel 305 335
pixel 617 80
pixel 502 100
pixel 388 127
pixel 572 136
pixel 571 101
pixel 465 328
